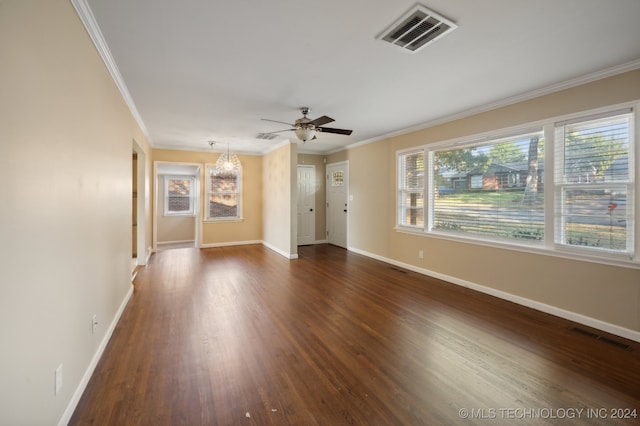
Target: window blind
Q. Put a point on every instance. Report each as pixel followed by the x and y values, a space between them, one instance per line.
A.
pixel 594 182
pixel 493 189
pixel 411 189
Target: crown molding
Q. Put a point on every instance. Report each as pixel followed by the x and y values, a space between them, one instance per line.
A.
pixel 547 90
pixel 88 19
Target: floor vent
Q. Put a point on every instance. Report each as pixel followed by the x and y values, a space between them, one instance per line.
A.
pixel 614 342
pixel 266 136
pixel 416 29
pixel 604 339
pixel 585 332
pixel 402 271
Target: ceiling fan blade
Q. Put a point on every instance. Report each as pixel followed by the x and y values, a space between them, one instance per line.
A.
pixel 285 130
pixel 276 121
pixel 332 130
pixel 322 120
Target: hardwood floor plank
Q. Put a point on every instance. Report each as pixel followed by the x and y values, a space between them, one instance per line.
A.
pixel 241 335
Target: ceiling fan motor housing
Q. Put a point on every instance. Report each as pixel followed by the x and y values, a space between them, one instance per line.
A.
pixel 305 128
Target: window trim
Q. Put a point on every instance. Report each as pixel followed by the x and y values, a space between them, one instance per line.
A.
pixel 548 245
pixel 191 196
pixel 240 194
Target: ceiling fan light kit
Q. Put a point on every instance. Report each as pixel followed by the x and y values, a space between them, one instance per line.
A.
pixel 305 133
pixel 305 128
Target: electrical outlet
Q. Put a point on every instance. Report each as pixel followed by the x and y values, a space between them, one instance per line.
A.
pixel 94 323
pixel 58 380
pixel 420 254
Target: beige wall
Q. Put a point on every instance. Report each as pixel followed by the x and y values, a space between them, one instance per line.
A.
pixel 66 138
pixel 220 233
pixel 321 203
pixel 279 179
pixel 607 294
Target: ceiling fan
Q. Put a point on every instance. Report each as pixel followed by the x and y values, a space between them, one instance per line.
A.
pixel 306 128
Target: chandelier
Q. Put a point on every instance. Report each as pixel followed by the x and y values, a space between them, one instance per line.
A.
pixel 228 162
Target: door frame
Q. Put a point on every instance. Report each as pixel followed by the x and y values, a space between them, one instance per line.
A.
pixel 196 202
pixel 142 251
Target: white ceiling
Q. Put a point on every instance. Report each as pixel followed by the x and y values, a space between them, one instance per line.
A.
pixel 200 70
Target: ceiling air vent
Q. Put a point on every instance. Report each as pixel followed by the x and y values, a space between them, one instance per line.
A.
pixel 266 136
pixel 417 28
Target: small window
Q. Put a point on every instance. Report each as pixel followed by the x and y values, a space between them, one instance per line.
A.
pixel 224 194
pixel 411 189
pixel 178 195
pixel 337 178
pixel 476 182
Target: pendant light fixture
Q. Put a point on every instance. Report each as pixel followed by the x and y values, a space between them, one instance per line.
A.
pixel 227 162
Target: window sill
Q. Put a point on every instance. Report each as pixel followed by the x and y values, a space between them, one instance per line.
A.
pixel 619 260
pixel 225 219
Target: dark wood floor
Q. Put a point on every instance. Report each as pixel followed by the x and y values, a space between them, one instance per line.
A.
pixel 243 336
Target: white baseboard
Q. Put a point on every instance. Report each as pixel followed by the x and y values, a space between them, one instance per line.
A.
pixel 543 307
pixel 176 242
pixel 241 243
pixel 289 256
pixel 149 253
pixel 163 245
pixel 71 407
pixel 231 243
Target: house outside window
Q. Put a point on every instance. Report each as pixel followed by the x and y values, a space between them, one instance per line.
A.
pixel 224 194
pixel 178 195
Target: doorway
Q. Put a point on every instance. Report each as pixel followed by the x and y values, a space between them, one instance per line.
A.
pixel 177 205
pixel 140 193
pixel 337 203
pixel 306 204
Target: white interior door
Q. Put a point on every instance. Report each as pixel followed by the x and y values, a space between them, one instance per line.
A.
pixel 306 205
pixel 337 204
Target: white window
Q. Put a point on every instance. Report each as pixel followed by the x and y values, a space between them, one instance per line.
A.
pixel 411 189
pixel 494 191
pixel 178 195
pixel 476 182
pixel 224 194
pixel 594 183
